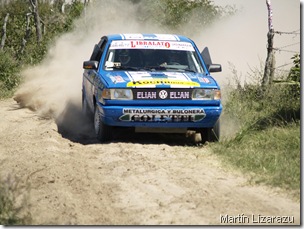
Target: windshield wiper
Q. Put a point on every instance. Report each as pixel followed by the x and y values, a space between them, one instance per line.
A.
pixel 126 68
pixel 189 70
pixel 179 69
pixel 152 68
pixel 155 68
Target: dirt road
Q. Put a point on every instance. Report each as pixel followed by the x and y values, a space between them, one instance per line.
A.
pixel 136 180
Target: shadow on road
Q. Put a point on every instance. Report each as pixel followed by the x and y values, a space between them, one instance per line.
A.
pixel 74 126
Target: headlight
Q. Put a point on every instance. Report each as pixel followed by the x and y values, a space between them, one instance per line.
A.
pixel 121 94
pixel 118 93
pixel 206 94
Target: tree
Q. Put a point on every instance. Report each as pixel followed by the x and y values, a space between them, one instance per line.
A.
pixel 269 65
pixel 175 14
pixel 4 32
pixel 35 12
pixel 20 46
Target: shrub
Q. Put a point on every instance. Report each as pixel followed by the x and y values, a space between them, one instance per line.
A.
pixel 279 105
pixel 14 208
pixel 295 71
pixel 9 73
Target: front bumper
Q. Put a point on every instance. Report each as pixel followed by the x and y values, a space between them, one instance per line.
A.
pixel 160 116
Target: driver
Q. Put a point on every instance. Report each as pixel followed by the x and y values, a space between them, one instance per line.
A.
pixel 124 56
pixel 174 58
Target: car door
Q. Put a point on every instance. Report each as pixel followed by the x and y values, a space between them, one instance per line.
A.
pixel 90 76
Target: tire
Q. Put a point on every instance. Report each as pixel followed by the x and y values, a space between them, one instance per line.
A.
pixel 103 132
pixel 211 134
pixel 85 108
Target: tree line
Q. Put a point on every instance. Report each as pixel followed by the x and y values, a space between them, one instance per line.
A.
pixel 27 29
pixel 29 26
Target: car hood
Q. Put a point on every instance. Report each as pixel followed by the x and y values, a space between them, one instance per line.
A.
pixel 157 79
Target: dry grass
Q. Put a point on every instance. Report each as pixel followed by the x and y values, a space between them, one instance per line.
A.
pixel 14 207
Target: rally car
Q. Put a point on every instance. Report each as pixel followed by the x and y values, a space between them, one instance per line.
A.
pixel 151 83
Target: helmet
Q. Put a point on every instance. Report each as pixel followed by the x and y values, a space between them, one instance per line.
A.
pixel 124 56
pixel 175 56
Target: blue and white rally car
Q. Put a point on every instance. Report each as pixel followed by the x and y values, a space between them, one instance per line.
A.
pixel 152 83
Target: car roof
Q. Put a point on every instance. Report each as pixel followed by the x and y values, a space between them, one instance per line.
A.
pixel 145 36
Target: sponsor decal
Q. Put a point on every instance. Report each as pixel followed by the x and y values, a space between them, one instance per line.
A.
pixel 117 79
pixel 110 64
pixel 164 44
pixel 150 36
pixel 162 94
pixel 163 115
pixel 154 82
pixel 143 44
pixel 158 75
pixel 120 45
pixel 204 80
pixel 179 95
pixel 132 36
pixel 146 95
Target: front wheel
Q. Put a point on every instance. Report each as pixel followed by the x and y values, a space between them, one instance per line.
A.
pixel 85 108
pixel 211 134
pixel 102 131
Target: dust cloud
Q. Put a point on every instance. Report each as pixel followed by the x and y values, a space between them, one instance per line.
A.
pixel 49 86
pixel 53 88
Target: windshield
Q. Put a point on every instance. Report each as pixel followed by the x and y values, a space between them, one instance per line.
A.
pixel 152 56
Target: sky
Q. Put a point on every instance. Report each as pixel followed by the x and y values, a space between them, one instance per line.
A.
pixel 240 42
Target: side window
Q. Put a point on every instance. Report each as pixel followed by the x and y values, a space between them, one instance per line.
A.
pixel 102 45
pixel 98 50
pixel 95 53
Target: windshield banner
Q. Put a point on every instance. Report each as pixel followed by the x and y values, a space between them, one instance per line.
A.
pixel 133 44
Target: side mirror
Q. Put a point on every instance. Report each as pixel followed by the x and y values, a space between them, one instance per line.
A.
pixel 215 68
pixel 206 56
pixel 91 64
pixel 207 59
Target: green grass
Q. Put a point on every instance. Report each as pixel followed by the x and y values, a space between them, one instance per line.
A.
pixel 267 144
pixel 273 155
